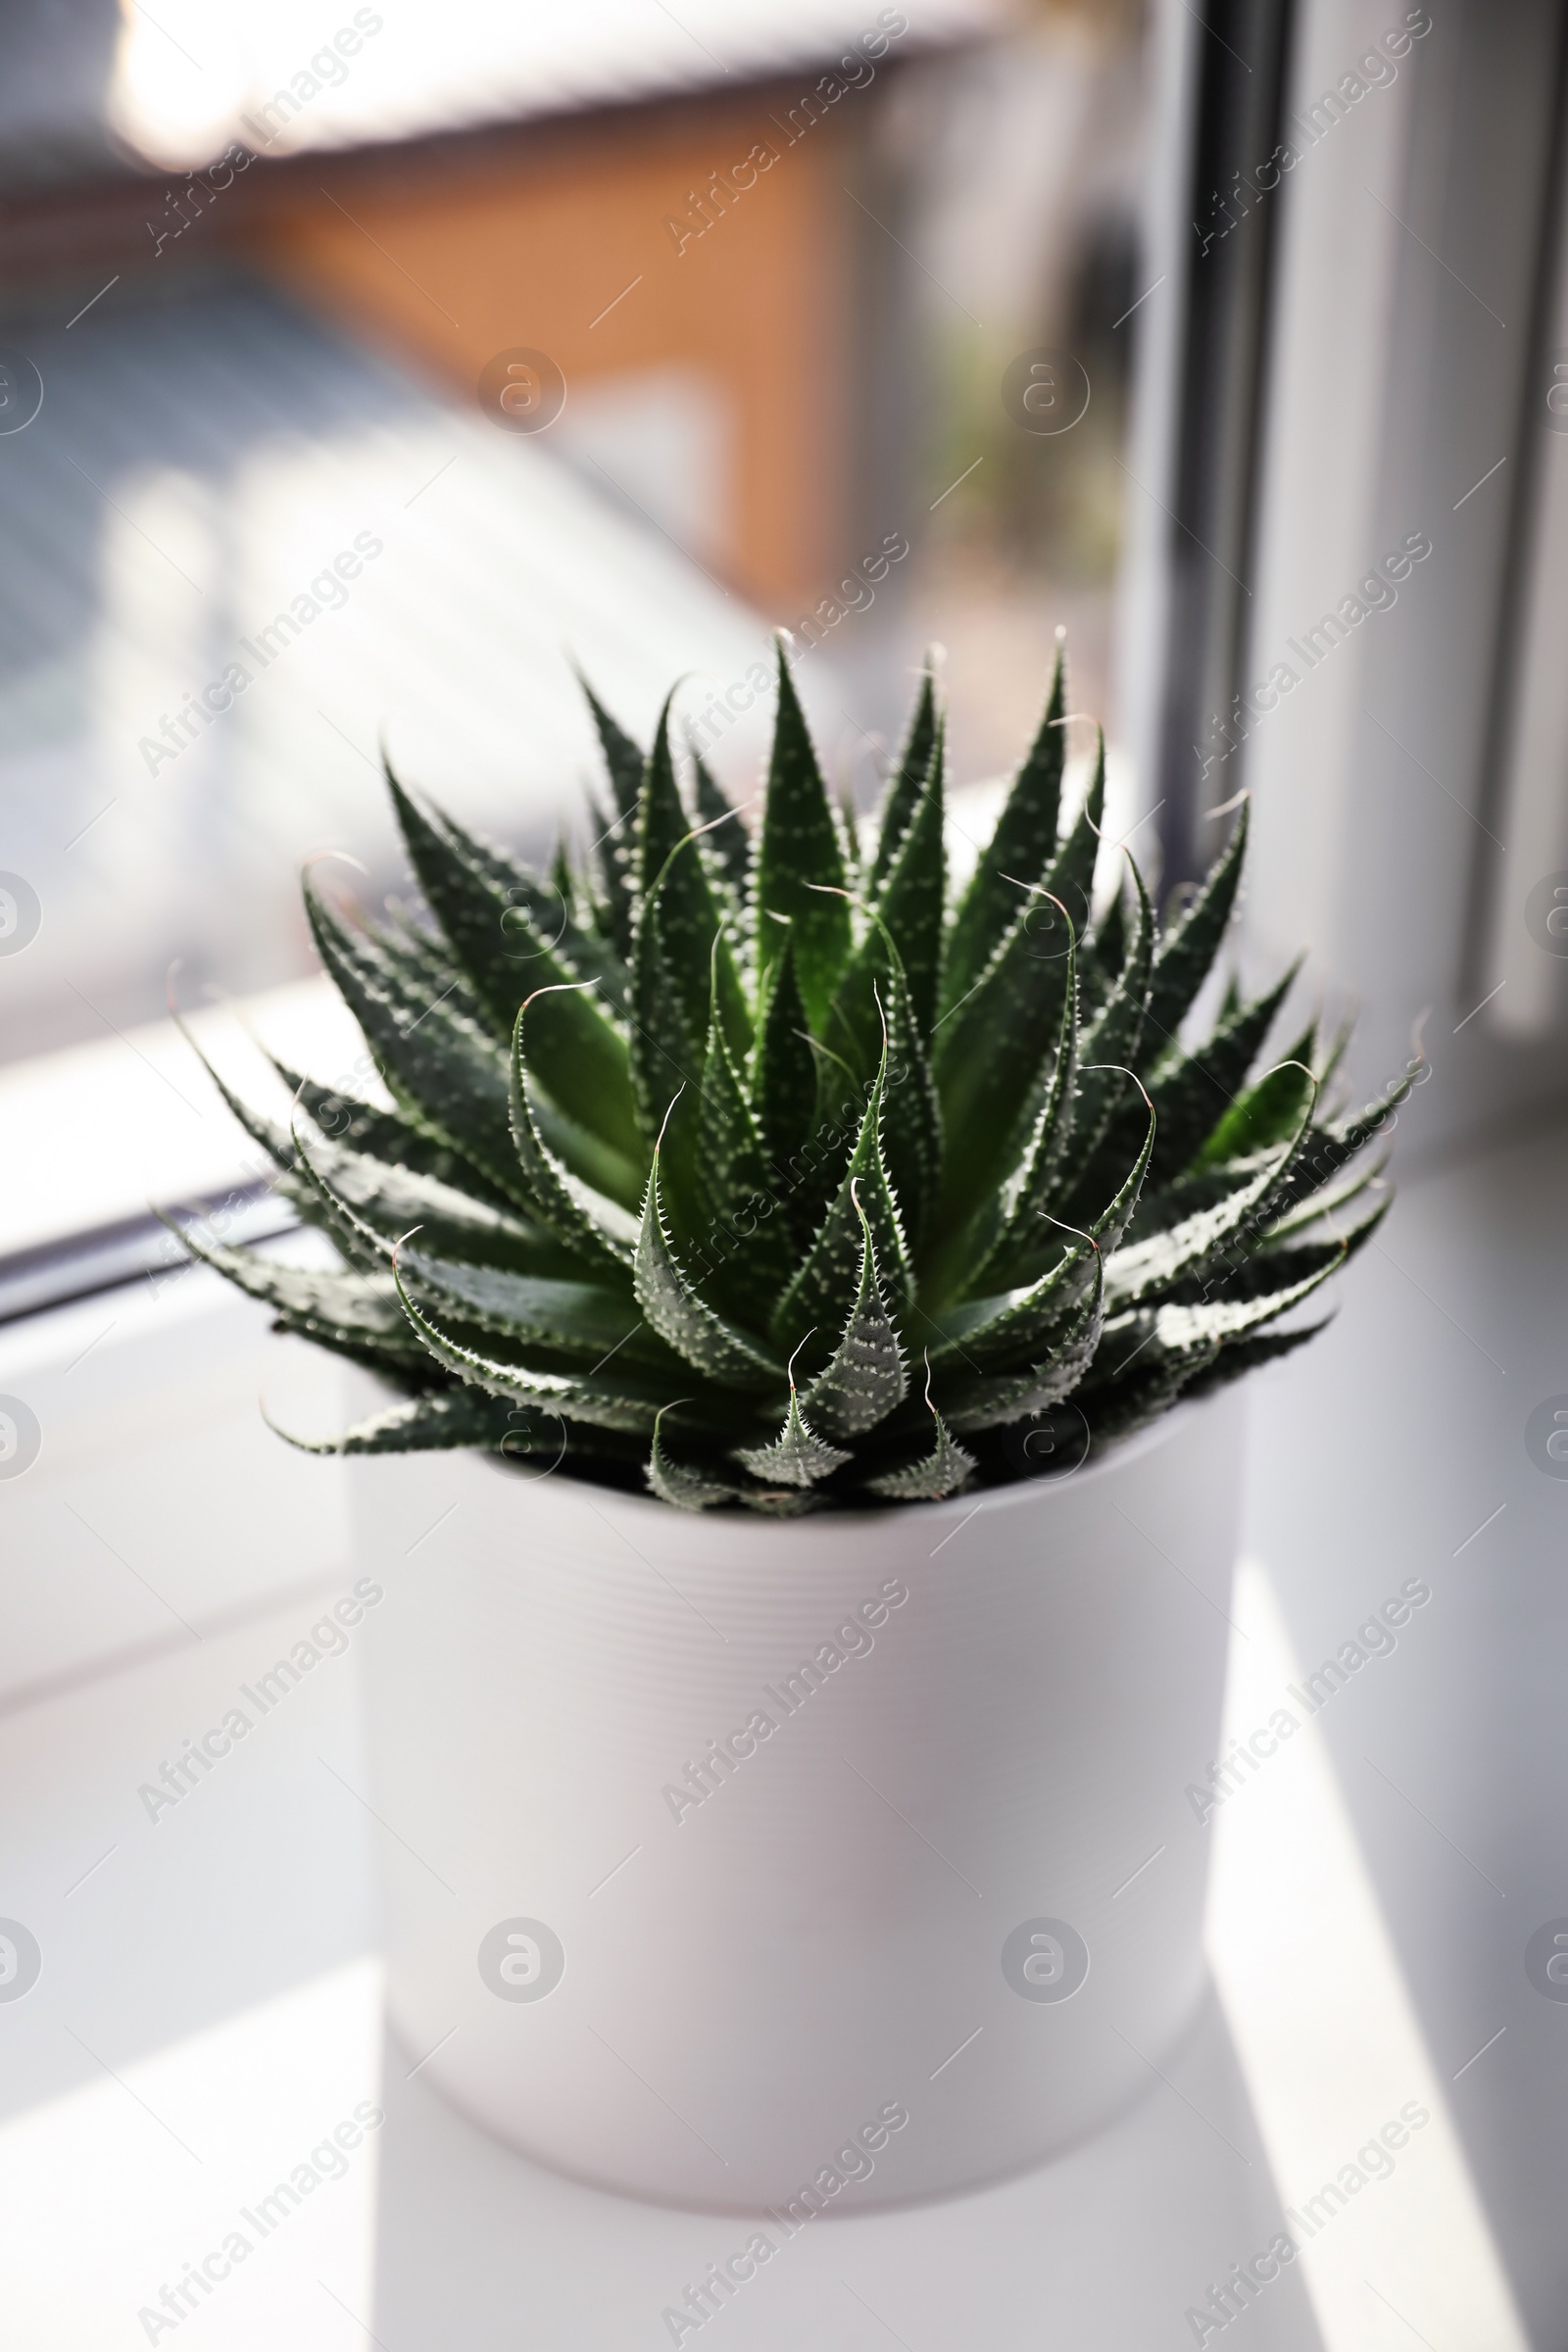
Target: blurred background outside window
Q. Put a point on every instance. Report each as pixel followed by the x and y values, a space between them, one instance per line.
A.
pixel 273 513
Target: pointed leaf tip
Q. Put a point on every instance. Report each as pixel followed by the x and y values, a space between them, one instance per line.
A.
pixel 686 1489
pixel 866 1376
pixel 944 1471
pixel 800 847
pixel 798 1456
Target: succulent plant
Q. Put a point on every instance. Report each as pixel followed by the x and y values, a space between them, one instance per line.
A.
pixel 770 1170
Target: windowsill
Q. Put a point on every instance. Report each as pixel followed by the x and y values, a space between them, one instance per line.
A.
pixel 98 1133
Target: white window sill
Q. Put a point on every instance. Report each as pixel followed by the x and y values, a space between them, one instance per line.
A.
pixel 99 1132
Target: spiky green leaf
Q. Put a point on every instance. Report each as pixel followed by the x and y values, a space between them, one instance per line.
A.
pixel 666 1049
pixel 946 1470
pixel 1254 1121
pixel 384 1135
pixel 1170 1333
pixel 1196 1095
pixel 798 1456
pixel 1023 1198
pixel 1188 952
pixel 671 874
pixel 617 847
pixel 800 864
pixel 784 1073
pixel 992 1051
pixel 602 1402
pixel 908 777
pixel 1111 1045
pixel 354 1311
pixel 723 832
pixel 743 1235
pixel 378 1201
pixel 990 1047
pixel 913 897
pixel 592 1228
pixel 867 1375
pixel 1167 1257
pixel 997 1399
pixel 676 1482
pixel 578 1055
pixel 569 1318
pixel 821 1292
pixel 1022 845
pixel 714 1347
pixel 447 1070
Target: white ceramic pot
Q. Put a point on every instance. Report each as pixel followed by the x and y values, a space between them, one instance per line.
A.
pixel 718 1845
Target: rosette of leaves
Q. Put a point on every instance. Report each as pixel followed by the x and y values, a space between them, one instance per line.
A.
pixel 769 1169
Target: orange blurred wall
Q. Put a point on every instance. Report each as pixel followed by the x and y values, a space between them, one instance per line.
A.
pixel 530 244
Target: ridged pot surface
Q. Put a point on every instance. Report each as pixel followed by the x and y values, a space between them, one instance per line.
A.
pixel 720 1844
